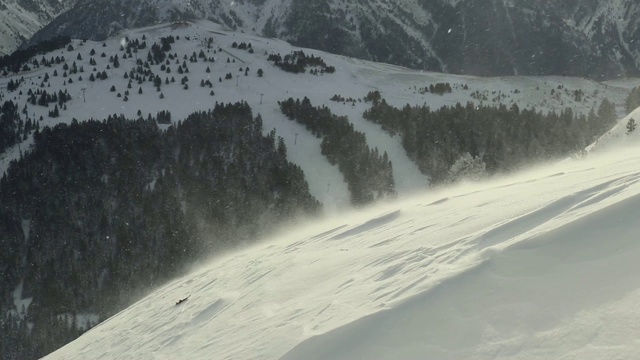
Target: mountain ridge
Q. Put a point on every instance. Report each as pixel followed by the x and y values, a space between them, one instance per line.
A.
pixel 20 19
pixel 508 37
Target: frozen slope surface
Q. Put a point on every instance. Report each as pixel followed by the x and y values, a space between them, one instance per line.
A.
pixel 541 265
pixel 570 293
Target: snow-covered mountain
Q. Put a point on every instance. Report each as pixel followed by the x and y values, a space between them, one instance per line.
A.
pixel 594 39
pixel 208 64
pixel 20 19
pixel 399 86
pixel 533 266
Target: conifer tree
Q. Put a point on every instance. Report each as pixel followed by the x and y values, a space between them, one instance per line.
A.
pixel 606 116
pixel 633 100
pixel 631 126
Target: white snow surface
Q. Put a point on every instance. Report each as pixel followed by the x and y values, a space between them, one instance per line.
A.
pixel 539 265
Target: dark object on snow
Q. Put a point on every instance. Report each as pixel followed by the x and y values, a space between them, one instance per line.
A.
pixel 183 300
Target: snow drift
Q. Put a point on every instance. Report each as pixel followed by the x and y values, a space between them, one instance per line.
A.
pixel 538 265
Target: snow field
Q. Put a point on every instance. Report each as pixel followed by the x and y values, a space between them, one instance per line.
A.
pixel 525 267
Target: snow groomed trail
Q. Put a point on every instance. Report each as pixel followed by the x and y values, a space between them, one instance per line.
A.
pixel 535 266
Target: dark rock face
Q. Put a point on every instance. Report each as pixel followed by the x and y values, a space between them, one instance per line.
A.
pixel 480 37
pixel 19 19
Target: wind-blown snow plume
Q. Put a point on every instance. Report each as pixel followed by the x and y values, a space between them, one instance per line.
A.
pixel 511 269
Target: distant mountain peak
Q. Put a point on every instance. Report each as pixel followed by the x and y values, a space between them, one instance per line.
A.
pixel 590 39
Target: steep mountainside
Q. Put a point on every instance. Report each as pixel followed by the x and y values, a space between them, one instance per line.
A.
pixel 481 37
pixel 20 19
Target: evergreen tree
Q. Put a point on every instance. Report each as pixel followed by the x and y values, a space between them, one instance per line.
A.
pixel 467 167
pixel 633 100
pixel 606 116
pixel 55 112
pixel 631 126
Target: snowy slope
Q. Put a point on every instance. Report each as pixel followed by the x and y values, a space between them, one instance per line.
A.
pixel 531 266
pixel 618 136
pixel 354 78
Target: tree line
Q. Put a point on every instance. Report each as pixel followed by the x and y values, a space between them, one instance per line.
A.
pixel 369 175
pixel 19 58
pixel 117 206
pixel 502 138
pixel 13 128
pixel 633 100
pixel 298 61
